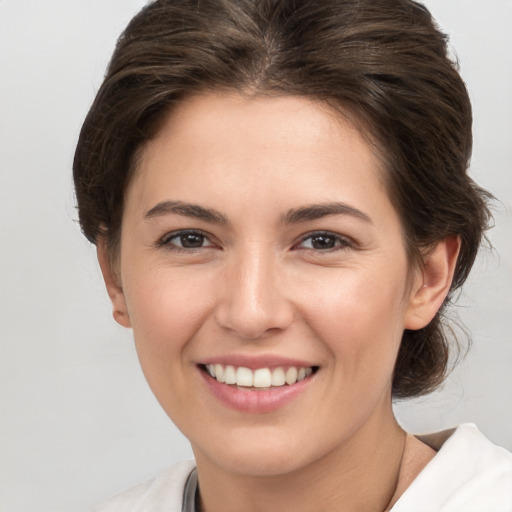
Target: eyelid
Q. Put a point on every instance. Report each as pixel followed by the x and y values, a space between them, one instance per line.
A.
pixel 165 240
pixel 342 241
pixel 345 241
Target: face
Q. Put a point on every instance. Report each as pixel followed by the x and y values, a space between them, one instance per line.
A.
pixel 259 245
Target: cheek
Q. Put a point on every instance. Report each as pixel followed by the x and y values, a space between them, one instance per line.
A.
pixel 356 299
pixel 166 309
pixel 360 318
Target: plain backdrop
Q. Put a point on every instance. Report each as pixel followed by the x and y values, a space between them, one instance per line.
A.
pixel 78 421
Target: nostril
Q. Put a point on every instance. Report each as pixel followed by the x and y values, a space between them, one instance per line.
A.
pixel 252 323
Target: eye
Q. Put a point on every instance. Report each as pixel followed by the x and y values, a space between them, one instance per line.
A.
pixel 323 241
pixel 182 240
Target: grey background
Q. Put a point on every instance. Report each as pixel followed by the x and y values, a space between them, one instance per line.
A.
pixel 78 421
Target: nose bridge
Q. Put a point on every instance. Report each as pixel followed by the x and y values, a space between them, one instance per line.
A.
pixel 253 301
pixel 256 280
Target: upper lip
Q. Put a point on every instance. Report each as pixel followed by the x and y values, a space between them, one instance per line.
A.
pixel 254 362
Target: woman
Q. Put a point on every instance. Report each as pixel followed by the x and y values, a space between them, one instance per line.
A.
pixel 279 197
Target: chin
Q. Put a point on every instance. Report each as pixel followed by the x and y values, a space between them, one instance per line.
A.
pixel 260 463
pixel 262 454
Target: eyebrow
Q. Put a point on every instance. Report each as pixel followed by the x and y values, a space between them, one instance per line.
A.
pixel 187 210
pixel 293 216
pixel 317 211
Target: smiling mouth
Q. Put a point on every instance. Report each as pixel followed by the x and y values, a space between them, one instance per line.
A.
pixel 260 378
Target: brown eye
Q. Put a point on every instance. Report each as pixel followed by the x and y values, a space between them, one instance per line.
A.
pixel 186 240
pixel 324 241
pixel 191 240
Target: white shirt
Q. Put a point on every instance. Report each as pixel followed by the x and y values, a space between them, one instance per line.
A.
pixel 468 474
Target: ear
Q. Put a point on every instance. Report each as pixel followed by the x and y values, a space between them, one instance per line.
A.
pixel 113 284
pixel 432 283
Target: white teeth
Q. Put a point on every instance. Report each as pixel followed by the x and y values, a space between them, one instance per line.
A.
pixel 219 372
pixel 244 377
pixel 230 375
pixel 260 378
pixel 278 378
pixel 291 375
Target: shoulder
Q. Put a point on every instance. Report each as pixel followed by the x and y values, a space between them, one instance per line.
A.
pixel 468 474
pixel 163 493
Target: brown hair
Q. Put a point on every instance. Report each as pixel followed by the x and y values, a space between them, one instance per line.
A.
pixel 383 61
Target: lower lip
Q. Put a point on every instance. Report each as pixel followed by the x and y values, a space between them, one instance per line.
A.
pixel 255 400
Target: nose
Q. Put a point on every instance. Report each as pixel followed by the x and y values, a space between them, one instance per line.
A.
pixel 253 301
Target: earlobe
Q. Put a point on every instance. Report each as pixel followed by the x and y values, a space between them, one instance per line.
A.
pixel 433 283
pixel 113 285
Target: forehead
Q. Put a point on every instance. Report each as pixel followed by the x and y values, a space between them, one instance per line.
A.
pixel 287 147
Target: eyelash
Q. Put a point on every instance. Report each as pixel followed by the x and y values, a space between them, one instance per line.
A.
pixel 340 242
pixel 165 241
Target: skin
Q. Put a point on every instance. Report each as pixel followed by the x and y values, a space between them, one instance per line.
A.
pixel 258 285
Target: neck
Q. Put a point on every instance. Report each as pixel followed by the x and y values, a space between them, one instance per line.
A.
pixel 359 474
